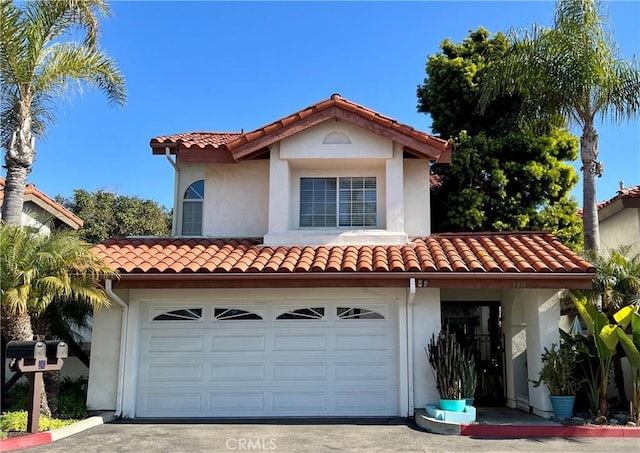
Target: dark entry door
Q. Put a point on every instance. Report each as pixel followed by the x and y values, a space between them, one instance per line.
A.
pixel 478 326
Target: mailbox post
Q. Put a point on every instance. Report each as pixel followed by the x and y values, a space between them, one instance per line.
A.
pixel 34 358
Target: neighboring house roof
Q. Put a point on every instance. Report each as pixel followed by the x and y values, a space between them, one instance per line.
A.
pixel 628 197
pixel 482 259
pixel 32 194
pixel 230 146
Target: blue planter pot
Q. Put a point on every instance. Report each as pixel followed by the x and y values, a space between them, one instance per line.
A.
pixel 453 405
pixel 562 405
pixel 470 401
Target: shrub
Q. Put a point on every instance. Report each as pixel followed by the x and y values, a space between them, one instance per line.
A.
pixel 17 421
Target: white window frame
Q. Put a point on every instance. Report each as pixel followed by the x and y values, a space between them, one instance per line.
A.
pixel 187 199
pixel 367 192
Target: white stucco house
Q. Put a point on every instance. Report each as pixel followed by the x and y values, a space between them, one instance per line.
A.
pixel 302 279
pixel 43 212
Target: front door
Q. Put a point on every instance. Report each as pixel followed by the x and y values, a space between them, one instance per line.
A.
pixel 478 327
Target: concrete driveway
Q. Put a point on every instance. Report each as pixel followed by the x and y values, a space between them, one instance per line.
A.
pixel 388 436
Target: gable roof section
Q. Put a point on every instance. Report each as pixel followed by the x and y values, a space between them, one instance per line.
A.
pixel 47 203
pixel 625 198
pixel 244 146
pixel 445 260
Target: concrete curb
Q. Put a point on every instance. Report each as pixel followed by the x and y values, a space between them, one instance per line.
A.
pixel 519 431
pixel 45 437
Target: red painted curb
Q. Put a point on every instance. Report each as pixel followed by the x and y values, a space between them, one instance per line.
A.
pixel 30 440
pixel 548 431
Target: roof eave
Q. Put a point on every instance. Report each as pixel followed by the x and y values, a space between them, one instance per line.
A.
pixel 489 280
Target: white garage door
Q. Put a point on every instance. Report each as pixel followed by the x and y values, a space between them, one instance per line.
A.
pixel 279 359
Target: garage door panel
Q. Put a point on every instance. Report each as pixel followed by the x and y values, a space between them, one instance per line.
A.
pixel 369 401
pixel 173 372
pixel 191 343
pixel 234 372
pixel 159 402
pixel 300 342
pixel 299 401
pixel 222 403
pixel 271 367
pixel 237 343
pixel 362 342
pixel 299 371
pixel 379 371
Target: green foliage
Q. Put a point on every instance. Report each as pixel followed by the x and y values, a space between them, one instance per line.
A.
pixel 107 215
pixel 502 177
pixel 36 269
pixel 573 70
pixel 449 364
pixel 18 397
pixel 17 421
pixel 72 398
pixel 560 372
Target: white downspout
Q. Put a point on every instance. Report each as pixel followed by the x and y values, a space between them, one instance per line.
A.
pixel 176 180
pixel 123 342
pixel 411 295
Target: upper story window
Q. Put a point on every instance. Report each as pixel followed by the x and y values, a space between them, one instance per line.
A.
pixel 338 202
pixel 192 209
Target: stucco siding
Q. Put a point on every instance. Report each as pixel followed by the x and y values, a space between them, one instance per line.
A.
pixel 622 228
pixel 426 322
pixel 236 199
pixel 316 143
pixel 417 207
pixel 105 355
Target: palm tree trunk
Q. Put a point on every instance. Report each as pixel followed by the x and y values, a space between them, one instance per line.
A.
pixel 590 169
pixel 14 194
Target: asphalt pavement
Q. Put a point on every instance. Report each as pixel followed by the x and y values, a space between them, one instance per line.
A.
pixel 390 436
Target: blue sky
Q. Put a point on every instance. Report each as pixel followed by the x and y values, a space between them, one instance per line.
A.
pixel 214 66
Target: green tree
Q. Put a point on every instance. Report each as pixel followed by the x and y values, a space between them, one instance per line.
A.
pixel 40 62
pixel 574 70
pixel 107 215
pixel 501 176
pixel 36 270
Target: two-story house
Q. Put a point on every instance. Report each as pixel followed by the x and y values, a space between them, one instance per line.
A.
pixel 302 279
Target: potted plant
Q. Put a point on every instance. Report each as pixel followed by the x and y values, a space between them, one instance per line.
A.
pixel 447 360
pixel 560 374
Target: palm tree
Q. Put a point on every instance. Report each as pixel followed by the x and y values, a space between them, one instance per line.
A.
pixel 38 67
pixel 36 270
pixel 573 70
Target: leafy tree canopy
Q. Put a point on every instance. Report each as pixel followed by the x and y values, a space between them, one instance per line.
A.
pixel 106 215
pixel 502 177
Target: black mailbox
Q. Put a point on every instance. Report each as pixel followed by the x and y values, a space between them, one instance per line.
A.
pixel 57 349
pixel 26 350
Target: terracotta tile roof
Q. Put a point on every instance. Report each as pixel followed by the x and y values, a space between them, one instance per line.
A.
pixel 200 140
pixel 246 145
pixel 628 192
pixel 47 203
pixel 470 253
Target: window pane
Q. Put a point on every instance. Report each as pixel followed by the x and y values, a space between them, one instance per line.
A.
pixel 195 191
pixel 192 218
pixel 357 197
pixel 317 202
